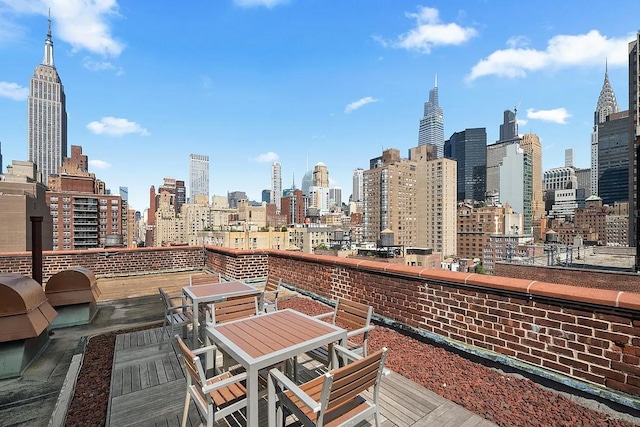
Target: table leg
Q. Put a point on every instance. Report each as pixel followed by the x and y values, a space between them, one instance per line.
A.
pixel 195 324
pixel 252 398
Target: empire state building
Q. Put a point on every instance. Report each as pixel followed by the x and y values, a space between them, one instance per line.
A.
pixel 47 115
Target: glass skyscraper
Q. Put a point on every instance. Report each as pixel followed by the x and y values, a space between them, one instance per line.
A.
pixel 47 115
pixel 469 149
pixel 432 124
pixel 198 176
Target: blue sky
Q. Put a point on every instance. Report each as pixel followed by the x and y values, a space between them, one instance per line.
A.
pixel 334 81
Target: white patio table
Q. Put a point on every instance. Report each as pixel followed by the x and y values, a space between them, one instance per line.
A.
pixel 263 341
pixel 207 294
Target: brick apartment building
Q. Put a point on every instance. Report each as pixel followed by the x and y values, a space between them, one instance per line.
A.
pixel 83 214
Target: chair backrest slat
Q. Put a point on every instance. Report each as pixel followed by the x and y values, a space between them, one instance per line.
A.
pixel 203 279
pixel 355 378
pixel 352 314
pixel 235 308
pixel 272 284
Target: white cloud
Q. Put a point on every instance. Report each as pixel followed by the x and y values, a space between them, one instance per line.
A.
pixel 563 51
pixel 359 103
pixel 518 41
pixel 13 91
pixel 81 23
pixel 92 65
pixel 267 157
pixel 114 126
pixel 256 3
pixel 556 115
pixel 428 32
pixel 99 164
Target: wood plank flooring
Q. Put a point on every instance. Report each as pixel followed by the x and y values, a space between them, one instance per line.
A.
pixel 148 389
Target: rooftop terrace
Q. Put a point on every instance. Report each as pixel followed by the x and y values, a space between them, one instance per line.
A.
pixel 584 338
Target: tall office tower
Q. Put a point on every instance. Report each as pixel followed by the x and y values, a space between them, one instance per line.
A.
pixel 509 126
pixel 198 176
pixel 181 195
pixel 568 157
pixel 335 197
pixel 276 184
pixel 390 203
pixel 266 196
pixel 124 194
pixel 515 183
pixel 307 181
pixel 151 218
pixel 47 115
pixel 634 144
pixel 356 195
pixel 435 199
pixel 320 175
pixel 497 151
pixel 431 129
pixel 613 158
pixel 469 149
pixel 531 145
pixel 606 105
pixel 1 158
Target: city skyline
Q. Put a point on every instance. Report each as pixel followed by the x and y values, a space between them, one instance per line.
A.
pixel 331 84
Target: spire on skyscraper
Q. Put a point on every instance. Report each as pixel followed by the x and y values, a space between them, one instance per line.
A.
pixel 48 46
pixel 607 103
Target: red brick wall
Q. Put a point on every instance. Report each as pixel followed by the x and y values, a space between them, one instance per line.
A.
pixel 591 335
pixel 107 263
pixel 598 279
pixel 237 264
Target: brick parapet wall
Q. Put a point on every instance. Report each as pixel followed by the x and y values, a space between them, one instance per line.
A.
pixel 597 279
pixel 107 263
pixel 588 334
pixel 236 264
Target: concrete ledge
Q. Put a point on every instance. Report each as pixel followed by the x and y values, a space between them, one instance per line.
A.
pixel 59 415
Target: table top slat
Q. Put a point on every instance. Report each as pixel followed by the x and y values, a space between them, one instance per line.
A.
pixel 221 288
pixel 277 331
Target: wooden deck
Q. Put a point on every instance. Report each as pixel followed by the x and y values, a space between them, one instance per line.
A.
pixel 148 389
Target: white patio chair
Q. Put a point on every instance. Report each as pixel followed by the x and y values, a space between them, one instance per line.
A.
pixel 215 397
pixel 334 398
pixel 176 314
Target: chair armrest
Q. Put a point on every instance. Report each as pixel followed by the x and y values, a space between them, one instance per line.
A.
pixel 293 388
pixel 224 383
pixel 323 315
pixel 350 355
pixel 346 353
pixel 271 292
pixel 204 349
pixel 176 308
pixel 360 331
